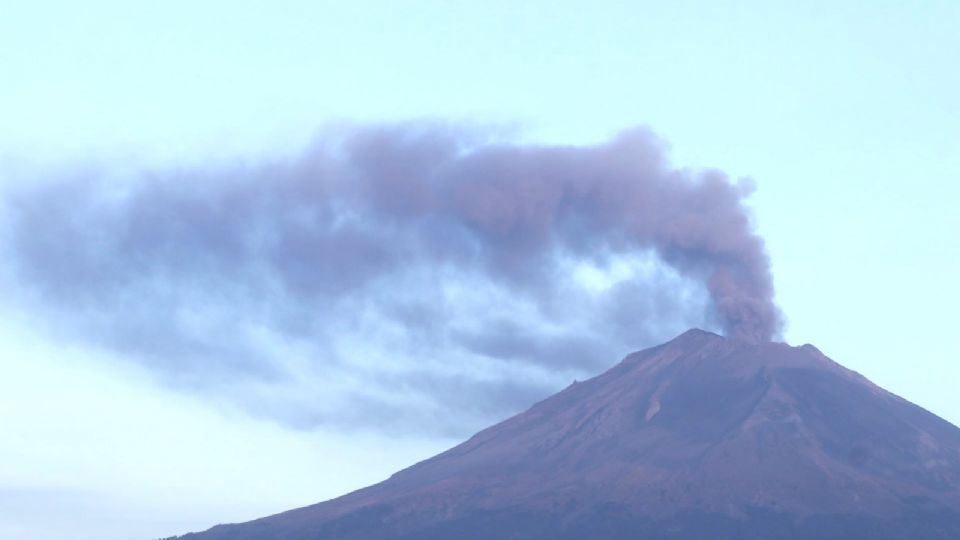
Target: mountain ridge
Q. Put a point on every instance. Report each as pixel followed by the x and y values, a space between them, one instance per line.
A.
pixel 702 432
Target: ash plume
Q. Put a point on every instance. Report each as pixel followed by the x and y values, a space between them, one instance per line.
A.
pixel 413 257
pixel 522 203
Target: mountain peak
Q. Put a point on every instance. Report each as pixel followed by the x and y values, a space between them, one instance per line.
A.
pixel 703 436
pixel 694 333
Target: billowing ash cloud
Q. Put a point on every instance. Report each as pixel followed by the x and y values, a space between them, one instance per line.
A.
pixel 413 268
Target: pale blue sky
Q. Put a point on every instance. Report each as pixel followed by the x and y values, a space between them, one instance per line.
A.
pixel 844 113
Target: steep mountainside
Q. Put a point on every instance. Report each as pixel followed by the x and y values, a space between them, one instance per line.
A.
pixel 702 437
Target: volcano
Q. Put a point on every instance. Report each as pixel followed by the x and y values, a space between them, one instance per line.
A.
pixel 703 437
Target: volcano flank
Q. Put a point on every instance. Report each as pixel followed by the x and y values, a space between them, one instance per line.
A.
pixel 701 437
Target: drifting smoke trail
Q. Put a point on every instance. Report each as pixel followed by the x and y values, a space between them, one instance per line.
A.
pixel 372 224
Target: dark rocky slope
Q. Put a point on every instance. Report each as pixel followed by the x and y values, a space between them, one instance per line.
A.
pixel 702 437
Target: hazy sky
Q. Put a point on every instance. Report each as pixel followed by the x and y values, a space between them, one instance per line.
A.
pixel 168 405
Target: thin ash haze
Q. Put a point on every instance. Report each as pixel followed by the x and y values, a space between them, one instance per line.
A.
pixel 391 273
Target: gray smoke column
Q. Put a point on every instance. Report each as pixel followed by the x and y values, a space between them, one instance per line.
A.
pixel 518 204
pixel 422 262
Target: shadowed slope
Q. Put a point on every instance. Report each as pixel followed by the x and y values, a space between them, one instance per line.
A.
pixel 701 435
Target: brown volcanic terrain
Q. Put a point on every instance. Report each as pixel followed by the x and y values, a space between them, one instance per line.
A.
pixel 700 438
